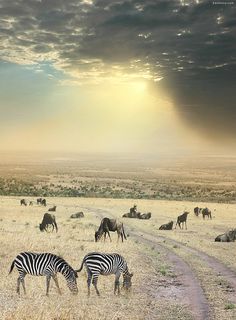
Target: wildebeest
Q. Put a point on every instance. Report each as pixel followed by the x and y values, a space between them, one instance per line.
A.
pixel 107 225
pixel 39 200
pixel 167 226
pixel 206 212
pixel 138 215
pixel 197 211
pixel 182 219
pixel 48 220
pixel 132 213
pixel 227 237
pixel 77 215
pixel 23 202
pixel 42 201
pixel 145 216
pixel 53 208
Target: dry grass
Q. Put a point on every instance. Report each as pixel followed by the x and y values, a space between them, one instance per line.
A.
pixel 19 232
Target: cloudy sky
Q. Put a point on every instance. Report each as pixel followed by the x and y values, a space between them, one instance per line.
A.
pixel 152 76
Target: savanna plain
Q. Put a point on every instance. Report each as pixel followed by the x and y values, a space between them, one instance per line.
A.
pixel 178 274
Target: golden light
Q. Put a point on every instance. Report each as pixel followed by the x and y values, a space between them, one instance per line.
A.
pixel 138 86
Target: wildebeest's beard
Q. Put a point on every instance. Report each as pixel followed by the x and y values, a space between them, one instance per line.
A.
pixel 41 227
pixel 97 236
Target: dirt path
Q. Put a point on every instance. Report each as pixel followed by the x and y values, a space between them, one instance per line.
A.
pixel 191 292
pixel 219 268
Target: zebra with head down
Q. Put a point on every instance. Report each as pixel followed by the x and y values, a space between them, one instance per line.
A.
pixel 44 264
pixel 101 263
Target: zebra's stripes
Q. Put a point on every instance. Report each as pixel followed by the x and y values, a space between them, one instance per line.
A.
pixel 105 264
pixel 44 264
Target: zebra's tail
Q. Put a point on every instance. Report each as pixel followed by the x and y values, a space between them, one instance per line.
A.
pixel 82 264
pixel 123 231
pixel 12 266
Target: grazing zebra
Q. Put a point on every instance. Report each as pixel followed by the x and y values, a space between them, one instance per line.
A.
pixel 101 263
pixel 44 264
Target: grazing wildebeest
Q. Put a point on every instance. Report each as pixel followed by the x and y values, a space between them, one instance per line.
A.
pixel 110 225
pixel 182 219
pixel 167 226
pixel 197 211
pixel 48 219
pixel 206 212
pixel 53 208
pixel 23 202
pixel 227 237
pixel 105 264
pixel 145 216
pixel 77 215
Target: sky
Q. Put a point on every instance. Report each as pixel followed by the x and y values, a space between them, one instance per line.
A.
pixel 151 76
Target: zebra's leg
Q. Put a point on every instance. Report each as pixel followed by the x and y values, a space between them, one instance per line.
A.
pixel 48 278
pixel 117 283
pixel 18 285
pixel 89 281
pixel 95 281
pixel 23 283
pixel 20 280
pixel 56 282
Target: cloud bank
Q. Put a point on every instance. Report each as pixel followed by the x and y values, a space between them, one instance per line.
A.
pixel 190 45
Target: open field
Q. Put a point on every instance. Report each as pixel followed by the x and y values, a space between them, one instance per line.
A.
pixel 178 274
pixel 201 179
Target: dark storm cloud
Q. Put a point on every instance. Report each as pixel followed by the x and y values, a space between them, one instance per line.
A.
pixel 191 46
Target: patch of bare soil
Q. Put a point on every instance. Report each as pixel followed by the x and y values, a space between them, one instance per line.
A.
pixel 185 288
pixel 219 268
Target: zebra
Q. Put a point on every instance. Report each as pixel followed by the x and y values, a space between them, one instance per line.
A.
pixel 44 264
pixel 105 264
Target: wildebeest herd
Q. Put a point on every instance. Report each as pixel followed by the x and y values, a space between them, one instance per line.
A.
pixel 96 263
